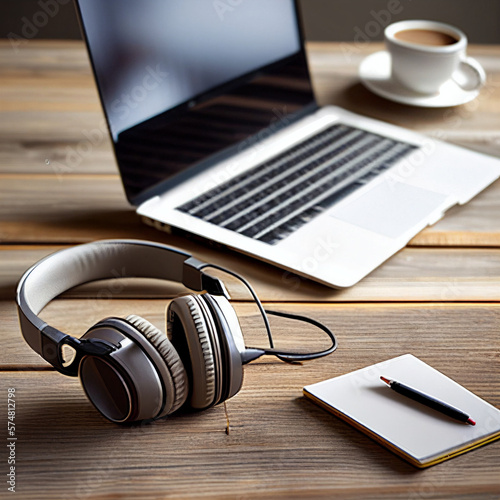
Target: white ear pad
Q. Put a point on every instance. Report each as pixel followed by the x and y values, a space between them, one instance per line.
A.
pixel 192 332
pixel 178 378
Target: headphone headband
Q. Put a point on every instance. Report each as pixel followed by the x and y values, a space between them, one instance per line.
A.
pixel 75 266
pixel 108 259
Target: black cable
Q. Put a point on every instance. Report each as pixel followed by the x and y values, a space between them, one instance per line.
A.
pixel 254 295
pixel 293 357
pixel 288 357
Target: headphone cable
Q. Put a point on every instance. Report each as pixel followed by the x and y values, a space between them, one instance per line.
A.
pixel 288 357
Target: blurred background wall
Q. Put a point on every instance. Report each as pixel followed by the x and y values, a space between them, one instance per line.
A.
pixel 336 20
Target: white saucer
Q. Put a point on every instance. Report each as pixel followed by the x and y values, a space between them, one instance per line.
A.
pixel 375 74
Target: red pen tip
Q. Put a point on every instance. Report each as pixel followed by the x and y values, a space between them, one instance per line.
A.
pixel 470 421
pixel 386 380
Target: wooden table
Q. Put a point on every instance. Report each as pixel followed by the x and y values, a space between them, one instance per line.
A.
pixel 437 299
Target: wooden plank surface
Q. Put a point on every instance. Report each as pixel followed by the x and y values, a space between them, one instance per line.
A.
pixel 49 105
pixel 279 445
pixel 80 208
pixel 411 327
pixel 191 456
pixel 52 125
pixel 439 299
pixel 414 274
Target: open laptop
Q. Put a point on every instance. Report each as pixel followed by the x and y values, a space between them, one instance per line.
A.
pixel 217 134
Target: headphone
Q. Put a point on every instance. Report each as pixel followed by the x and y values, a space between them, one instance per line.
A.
pixel 129 369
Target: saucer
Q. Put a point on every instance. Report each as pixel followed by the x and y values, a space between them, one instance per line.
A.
pixel 375 74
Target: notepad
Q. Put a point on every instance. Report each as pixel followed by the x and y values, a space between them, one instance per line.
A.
pixel 419 434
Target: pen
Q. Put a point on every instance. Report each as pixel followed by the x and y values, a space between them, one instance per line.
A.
pixel 429 401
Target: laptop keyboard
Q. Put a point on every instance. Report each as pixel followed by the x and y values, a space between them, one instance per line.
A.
pixel 277 197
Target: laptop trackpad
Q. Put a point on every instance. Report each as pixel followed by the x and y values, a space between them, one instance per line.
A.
pixel 390 209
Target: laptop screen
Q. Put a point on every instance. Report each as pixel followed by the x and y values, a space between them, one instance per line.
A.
pixel 181 81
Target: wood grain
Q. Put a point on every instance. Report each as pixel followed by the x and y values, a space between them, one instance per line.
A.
pixel 474 125
pixel 279 445
pixel 439 299
pixel 424 329
pixel 191 456
pixel 414 274
pixel 49 105
pixel 74 209
pixel 51 124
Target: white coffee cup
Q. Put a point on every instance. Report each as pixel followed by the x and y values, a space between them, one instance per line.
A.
pixel 424 68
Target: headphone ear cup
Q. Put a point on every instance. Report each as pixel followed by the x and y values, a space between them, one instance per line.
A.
pixel 231 343
pixel 193 333
pixel 173 362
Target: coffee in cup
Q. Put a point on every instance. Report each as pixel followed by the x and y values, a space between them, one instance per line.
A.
pixel 426 54
pixel 425 37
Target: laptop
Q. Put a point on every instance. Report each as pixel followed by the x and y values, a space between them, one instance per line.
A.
pixel 217 135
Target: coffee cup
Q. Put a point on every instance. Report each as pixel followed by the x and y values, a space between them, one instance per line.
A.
pixel 426 54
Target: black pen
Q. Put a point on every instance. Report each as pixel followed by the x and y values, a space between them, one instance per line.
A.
pixel 428 401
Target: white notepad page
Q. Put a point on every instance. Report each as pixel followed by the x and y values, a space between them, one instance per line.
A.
pixel 420 432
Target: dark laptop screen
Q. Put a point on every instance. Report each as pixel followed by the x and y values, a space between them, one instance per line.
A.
pixel 181 81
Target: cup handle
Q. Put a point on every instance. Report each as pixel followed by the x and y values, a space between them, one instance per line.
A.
pixel 469 75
